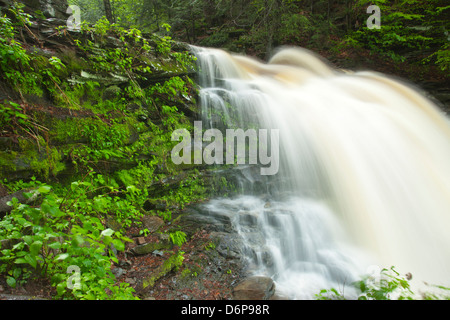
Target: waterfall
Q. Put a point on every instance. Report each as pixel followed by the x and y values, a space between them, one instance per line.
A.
pixel 364 173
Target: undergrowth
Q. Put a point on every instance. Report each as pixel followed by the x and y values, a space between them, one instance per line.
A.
pixel 62 232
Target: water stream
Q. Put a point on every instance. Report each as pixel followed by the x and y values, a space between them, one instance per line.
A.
pixel 364 170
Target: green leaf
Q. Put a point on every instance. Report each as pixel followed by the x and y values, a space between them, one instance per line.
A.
pixel 11 282
pixel 17 272
pixel 107 232
pixel 114 259
pixel 74 185
pixel 44 189
pixel 20 261
pixel 55 245
pixel 52 210
pixel 61 288
pixel 28 239
pixel 119 245
pixel 35 248
pixel 62 256
pixel 31 260
pixel 77 241
pixel 18 246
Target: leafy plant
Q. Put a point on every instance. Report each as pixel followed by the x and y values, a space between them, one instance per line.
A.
pixel 178 238
pixel 388 285
pixel 11 114
pixel 62 232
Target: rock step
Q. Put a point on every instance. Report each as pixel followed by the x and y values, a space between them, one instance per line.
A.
pixel 254 288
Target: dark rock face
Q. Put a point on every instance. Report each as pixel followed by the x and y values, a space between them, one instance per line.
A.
pixel 49 8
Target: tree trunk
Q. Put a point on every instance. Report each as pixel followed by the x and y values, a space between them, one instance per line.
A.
pixel 328 10
pixel 108 10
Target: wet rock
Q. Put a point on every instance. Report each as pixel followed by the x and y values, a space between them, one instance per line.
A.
pixel 152 223
pixel 8 243
pixel 113 224
pixel 229 245
pixel 150 247
pixel 254 288
pixel 158 253
pixel 20 196
pixel 154 205
pixel 49 8
pixel 248 218
pixel 160 271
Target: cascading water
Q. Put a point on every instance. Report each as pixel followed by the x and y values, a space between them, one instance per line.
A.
pixel 364 170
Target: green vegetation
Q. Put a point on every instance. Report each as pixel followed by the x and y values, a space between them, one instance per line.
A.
pixel 406 27
pixel 411 30
pixel 46 240
pixel 387 285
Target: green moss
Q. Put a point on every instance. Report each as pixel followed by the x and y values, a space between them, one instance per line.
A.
pixel 7 162
pixel 170 264
pixel 81 94
pixel 39 158
pixel 66 131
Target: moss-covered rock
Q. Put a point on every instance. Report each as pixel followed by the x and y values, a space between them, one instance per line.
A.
pixel 150 247
pixel 167 266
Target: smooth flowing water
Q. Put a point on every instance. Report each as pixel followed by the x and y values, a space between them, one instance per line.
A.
pixel 364 170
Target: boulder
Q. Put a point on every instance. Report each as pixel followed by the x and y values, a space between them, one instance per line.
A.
pixel 254 288
pixel 152 223
pixel 228 245
pixel 20 196
pixel 150 247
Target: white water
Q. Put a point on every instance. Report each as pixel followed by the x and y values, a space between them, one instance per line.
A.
pixel 364 170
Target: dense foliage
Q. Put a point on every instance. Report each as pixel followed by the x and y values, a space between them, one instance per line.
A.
pixel 410 29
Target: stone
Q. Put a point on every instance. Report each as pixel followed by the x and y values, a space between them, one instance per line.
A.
pixel 150 247
pixel 152 223
pixel 158 253
pixel 140 240
pixel 254 288
pixel 160 271
pixel 20 196
pixel 228 245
